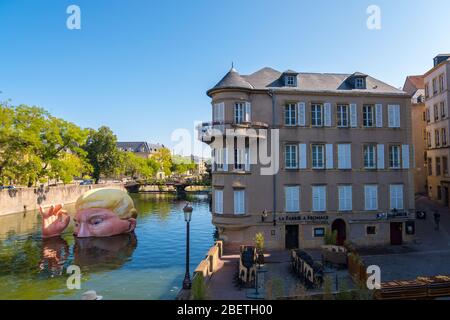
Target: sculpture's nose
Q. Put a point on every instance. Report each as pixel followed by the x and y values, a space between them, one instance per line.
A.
pixel 83 231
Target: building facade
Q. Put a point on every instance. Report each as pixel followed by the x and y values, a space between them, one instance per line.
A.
pixel 298 155
pixel 141 149
pixel 415 87
pixel 437 97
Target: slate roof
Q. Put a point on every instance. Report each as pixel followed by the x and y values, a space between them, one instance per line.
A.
pixel 271 79
pixel 139 146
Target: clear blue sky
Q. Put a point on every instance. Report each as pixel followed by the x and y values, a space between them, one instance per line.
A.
pixel 142 67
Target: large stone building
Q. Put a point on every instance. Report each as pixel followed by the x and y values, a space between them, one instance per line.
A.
pixel 415 87
pixel 437 96
pixel 142 149
pixel 340 159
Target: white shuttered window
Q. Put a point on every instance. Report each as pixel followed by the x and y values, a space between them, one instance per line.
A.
pixel 319 198
pixel 344 156
pixel 292 197
pixel 345 198
pixel 371 197
pixel 239 202
pixel 396 197
pixel 218 198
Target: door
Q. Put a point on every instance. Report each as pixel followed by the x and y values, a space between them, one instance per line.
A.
pixel 396 233
pixel 445 196
pixel 341 229
pixel 292 237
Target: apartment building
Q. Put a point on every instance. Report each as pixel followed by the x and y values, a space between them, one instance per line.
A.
pixel 415 87
pixel 342 143
pixel 437 97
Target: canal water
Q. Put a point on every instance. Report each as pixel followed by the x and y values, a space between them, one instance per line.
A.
pixel 147 265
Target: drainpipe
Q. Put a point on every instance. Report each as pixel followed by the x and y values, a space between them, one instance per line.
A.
pixel 274 178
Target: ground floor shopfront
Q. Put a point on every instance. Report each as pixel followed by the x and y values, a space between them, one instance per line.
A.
pixel 309 232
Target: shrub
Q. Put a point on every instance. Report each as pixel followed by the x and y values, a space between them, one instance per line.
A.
pixel 199 289
pixel 330 238
pixel 259 242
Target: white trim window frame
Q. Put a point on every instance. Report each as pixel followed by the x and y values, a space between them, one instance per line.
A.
pixel 343 116
pixel 291 156
pixel 290 115
pixel 318 156
pixel 395 157
pixel 396 197
pixel 370 156
pixel 239 112
pixel 368 116
pixel 317 115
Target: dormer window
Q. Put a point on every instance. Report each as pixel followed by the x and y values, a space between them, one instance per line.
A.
pixel 360 83
pixel 290 81
pixel 289 78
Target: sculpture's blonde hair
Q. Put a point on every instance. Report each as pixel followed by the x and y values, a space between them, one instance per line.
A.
pixel 115 200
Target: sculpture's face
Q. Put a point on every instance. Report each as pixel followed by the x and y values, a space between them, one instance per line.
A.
pixel 100 222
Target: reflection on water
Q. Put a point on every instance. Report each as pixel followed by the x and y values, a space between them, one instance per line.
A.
pixel 146 265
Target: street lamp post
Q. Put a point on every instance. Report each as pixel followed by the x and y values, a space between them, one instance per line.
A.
pixel 187 217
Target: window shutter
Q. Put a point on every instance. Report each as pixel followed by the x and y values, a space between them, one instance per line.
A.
pixel 248 112
pixel 302 114
pixel 219 201
pixel 329 156
pixel 344 156
pixel 222 112
pixel 247 159
pixel 225 159
pixel 366 198
pixel 353 115
pixel 327 111
pixel 302 153
pixel 214 159
pixel 405 156
pixel 323 199
pixel 397 116
pixel 394 116
pixel 379 115
pixel 380 156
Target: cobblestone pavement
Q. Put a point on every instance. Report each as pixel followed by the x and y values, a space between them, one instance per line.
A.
pixel 429 254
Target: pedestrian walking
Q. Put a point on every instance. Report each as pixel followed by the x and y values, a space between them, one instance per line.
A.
pixel 437 219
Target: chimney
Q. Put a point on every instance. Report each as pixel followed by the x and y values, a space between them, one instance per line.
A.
pixel 441 58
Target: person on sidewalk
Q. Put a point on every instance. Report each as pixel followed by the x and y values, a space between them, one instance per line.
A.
pixel 437 219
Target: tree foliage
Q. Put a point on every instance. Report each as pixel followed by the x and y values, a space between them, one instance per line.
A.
pixel 36 146
pixel 102 152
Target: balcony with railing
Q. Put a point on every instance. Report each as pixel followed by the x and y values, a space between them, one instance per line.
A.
pixel 209 131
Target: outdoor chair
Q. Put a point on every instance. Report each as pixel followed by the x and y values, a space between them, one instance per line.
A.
pixel 247 266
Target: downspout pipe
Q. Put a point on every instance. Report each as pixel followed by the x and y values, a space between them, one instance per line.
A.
pixel 274 178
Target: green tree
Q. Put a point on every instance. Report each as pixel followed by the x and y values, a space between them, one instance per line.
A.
pixel 181 165
pixel 34 145
pixel 102 152
pixel 164 160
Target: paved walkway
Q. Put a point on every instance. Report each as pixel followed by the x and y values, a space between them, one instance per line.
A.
pixel 429 255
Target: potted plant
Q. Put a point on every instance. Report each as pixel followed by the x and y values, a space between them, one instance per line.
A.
pixel 264 216
pixel 259 245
